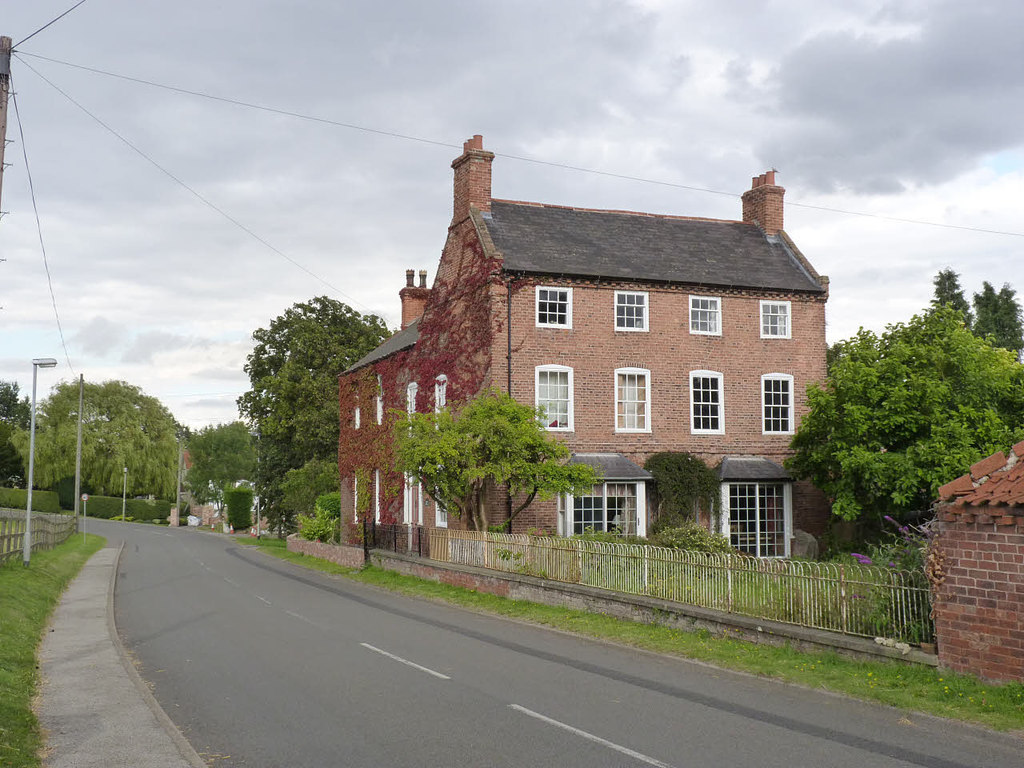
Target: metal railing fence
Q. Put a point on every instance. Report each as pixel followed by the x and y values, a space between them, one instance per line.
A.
pixel 861 600
pixel 48 530
pixel 407 539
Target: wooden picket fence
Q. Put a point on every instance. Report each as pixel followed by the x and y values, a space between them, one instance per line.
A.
pixel 48 530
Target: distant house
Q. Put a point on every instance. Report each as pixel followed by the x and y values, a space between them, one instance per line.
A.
pixel 635 333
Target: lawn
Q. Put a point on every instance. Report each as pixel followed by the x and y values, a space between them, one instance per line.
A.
pixel 27 598
pixel 912 688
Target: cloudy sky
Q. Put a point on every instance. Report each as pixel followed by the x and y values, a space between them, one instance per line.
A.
pixel 175 225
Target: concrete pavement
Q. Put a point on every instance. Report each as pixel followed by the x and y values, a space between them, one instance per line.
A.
pixel 94 708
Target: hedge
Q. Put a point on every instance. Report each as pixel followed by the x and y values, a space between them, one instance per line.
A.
pixel 42 501
pixel 109 508
pixel 239 504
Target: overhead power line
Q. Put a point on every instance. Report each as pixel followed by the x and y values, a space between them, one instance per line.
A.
pixel 39 227
pixel 210 204
pixel 50 23
pixel 520 158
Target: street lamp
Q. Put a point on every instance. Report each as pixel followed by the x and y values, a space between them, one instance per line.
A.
pixel 124 493
pixel 40 362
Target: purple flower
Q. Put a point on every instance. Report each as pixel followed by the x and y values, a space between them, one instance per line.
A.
pixel 862 559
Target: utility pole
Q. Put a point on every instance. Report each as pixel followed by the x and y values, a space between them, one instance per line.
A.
pixel 5 89
pixel 78 444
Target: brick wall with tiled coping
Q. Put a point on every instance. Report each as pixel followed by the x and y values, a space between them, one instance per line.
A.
pixel 977 565
pixel 979 607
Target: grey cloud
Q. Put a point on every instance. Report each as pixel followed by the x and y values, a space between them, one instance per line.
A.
pixel 875 116
pixel 150 343
pixel 99 337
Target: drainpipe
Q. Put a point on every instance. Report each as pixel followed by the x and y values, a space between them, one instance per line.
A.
pixel 508 366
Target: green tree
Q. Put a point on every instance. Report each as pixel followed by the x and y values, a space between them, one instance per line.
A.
pixel 14 416
pixel 300 490
pixel 239 504
pixel 905 412
pixel 948 293
pixel 14 410
pixel 121 427
pixel 999 315
pixel 293 370
pixel 221 456
pixel 490 440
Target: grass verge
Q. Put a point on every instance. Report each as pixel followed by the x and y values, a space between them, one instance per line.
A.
pixel 27 598
pixel 908 687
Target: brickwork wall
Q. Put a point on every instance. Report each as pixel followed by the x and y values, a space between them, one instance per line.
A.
pixel 351 557
pixel 594 349
pixel 979 607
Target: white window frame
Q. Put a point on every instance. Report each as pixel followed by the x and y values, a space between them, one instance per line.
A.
pixel 717 311
pixel 376 495
pixel 647 399
pixel 767 303
pixel 567 505
pixel 568 307
pixel 356 420
pixel 410 396
pixel 440 393
pixel 787 512
pixel 355 495
pixel 570 423
pixel 380 400
pixel 721 403
pixel 765 405
pixel 645 326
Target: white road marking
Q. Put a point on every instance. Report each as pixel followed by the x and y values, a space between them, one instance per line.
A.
pixel 300 617
pixel 596 739
pixel 262 598
pixel 232 583
pixel 405 661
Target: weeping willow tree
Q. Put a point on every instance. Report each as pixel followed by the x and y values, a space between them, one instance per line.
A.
pixel 121 427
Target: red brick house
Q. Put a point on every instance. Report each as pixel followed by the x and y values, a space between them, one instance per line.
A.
pixel 636 333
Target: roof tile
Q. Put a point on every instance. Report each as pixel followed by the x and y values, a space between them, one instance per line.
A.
pixel 988 466
pixel 556 240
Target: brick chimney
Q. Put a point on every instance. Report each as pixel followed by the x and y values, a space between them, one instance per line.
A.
pixel 762 203
pixel 472 178
pixel 414 298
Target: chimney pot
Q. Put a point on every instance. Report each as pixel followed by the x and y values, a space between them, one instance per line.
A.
pixel 410 276
pixel 423 278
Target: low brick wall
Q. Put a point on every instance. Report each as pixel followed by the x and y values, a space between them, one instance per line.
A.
pixel 351 557
pixel 979 607
pixel 641 609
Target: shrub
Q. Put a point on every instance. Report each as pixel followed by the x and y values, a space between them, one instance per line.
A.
pixel 239 505
pixel 682 482
pixel 17 498
pixel 320 527
pixel 330 503
pixel 693 537
pixel 609 537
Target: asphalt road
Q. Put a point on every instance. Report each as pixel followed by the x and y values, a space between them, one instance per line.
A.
pixel 262 663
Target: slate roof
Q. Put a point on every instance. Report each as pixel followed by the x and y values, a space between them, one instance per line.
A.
pixel 750 468
pixel 611 466
pixel 404 339
pixel 555 240
pixel 995 481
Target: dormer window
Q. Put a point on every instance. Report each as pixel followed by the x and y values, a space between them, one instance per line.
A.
pixel 554 307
